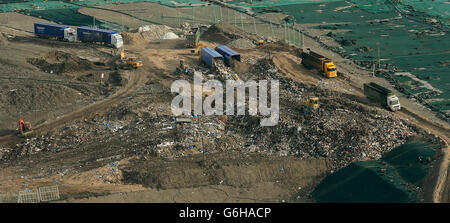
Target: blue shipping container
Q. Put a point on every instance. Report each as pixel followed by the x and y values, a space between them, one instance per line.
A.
pixel 88 34
pixel 228 54
pixel 48 29
pixel 209 55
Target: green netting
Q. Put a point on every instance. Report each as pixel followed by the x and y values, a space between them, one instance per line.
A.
pixel 393 178
pixel 410 45
pixel 268 3
pixel 11 5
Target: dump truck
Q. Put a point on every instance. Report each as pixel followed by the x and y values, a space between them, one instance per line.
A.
pixel 108 37
pixel 60 32
pixel 325 66
pixel 382 95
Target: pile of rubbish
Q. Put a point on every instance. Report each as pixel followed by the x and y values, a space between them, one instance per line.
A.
pixel 340 130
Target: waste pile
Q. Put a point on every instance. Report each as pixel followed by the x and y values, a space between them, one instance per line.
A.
pixel 340 130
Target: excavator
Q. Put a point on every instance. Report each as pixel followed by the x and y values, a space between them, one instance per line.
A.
pixel 24 128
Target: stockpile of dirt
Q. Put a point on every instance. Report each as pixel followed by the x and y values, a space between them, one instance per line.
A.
pixel 132 38
pixel 242 44
pixel 60 62
pixel 222 33
pixel 148 33
pixel 220 169
pixel 29 97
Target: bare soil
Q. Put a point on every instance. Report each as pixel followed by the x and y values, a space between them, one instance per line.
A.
pixel 72 105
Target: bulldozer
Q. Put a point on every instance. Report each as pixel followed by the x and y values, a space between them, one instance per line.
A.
pixel 119 61
pixel 24 128
pixel 312 102
pixel 132 62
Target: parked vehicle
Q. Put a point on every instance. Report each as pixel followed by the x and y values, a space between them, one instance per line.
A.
pixel 60 32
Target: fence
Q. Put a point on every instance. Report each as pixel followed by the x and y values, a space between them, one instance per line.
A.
pixel 42 194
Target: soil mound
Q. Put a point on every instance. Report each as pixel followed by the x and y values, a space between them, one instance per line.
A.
pixel 132 38
pixel 222 33
pixel 60 62
pixel 242 44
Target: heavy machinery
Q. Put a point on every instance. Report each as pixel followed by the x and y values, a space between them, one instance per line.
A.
pixel 324 65
pixel 260 43
pixel 382 95
pixel 184 69
pixel 24 128
pixel 131 62
pixel 312 102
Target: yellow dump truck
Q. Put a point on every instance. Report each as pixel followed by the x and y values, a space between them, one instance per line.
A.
pixel 325 66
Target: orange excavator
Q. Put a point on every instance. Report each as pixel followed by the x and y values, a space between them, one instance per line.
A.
pixel 24 128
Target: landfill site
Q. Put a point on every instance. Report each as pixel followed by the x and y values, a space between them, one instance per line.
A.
pixel 86 116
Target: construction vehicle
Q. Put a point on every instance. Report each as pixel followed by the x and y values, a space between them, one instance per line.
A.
pixel 325 66
pixel 24 128
pixel 260 43
pixel 184 69
pixel 131 62
pixel 382 95
pixel 312 102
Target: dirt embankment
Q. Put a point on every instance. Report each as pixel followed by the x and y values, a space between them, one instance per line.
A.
pixel 222 177
pixel 61 62
pixel 225 169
